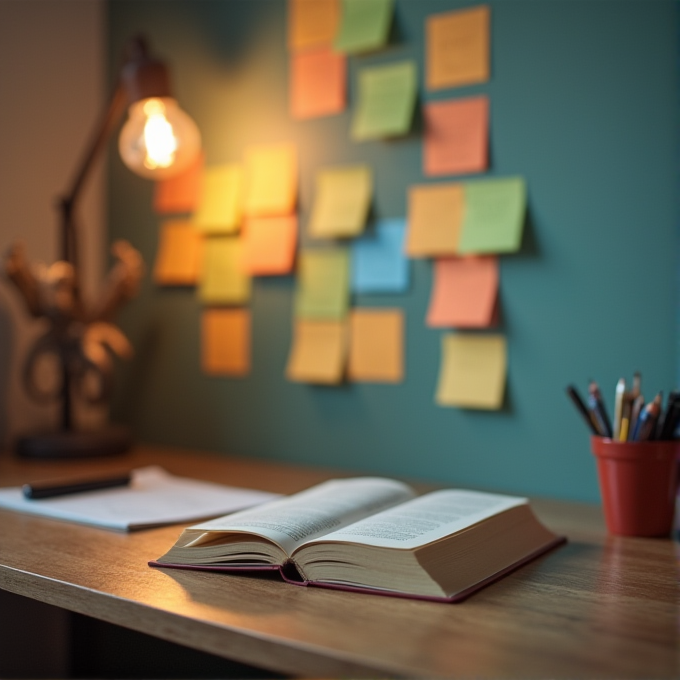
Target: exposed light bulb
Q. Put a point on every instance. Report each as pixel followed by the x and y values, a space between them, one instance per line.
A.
pixel 158 140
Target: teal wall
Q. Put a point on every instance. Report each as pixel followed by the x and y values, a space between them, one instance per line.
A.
pixel 584 105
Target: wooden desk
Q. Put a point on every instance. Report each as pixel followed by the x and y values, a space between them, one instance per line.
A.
pixel 598 607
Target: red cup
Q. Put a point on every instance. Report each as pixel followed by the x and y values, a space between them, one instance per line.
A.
pixel 638 483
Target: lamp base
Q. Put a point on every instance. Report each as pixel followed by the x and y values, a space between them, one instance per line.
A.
pixel 109 441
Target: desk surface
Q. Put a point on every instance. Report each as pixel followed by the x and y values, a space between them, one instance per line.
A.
pixel 598 607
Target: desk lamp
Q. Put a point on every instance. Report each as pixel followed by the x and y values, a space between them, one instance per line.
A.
pixel 157 141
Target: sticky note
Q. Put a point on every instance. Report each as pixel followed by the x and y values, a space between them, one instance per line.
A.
pixel 376 345
pixel 271 180
pixel 222 280
pixel 221 205
pixel 493 218
pixel 457 50
pixel 322 284
pixel 178 259
pixel 269 245
pixel 182 193
pixel 312 23
pixel 341 201
pixel 387 96
pixel 464 292
pixel 319 352
pixel 364 25
pixel 225 342
pixel 379 264
pixel 317 83
pixel 473 371
pixel 456 136
pixel 435 215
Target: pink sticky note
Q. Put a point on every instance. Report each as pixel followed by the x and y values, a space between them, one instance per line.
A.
pixel 317 83
pixel 464 293
pixel 456 136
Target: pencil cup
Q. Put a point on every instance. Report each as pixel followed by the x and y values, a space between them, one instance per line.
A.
pixel 638 483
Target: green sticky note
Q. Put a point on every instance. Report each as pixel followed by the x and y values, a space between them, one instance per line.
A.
pixel 222 280
pixel 493 216
pixel 323 284
pixel 364 25
pixel 387 97
pixel 341 202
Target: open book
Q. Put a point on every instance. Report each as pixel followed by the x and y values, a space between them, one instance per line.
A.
pixel 372 534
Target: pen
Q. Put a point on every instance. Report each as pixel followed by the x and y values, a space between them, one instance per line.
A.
pixel 647 421
pixel 618 407
pixel 581 407
pixel 597 407
pixel 636 410
pixel 66 487
pixel 669 418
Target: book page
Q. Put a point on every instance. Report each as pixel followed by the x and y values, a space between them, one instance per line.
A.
pixel 292 521
pixel 425 519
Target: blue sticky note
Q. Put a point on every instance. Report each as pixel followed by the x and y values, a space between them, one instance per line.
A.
pixel 379 264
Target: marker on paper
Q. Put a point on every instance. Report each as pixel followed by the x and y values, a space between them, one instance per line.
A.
pixel 42 490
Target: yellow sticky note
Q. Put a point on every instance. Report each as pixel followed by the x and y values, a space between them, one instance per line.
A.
pixel 269 245
pixel 312 23
pixel 456 136
pixel 220 208
pixel 322 284
pixel 317 83
pixel 458 47
pixel 178 259
pixel 341 202
pixel 376 345
pixel 435 215
pixel 464 293
pixel 225 342
pixel 473 370
pixel 319 352
pixel 182 193
pixel 271 180
pixel 223 281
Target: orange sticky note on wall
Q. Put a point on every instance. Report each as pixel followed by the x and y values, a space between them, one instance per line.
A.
pixel 456 136
pixel 271 180
pixel 182 193
pixel 376 346
pixel 319 352
pixel 464 293
pixel 269 245
pixel 226 342
pixel 435 215
pixel 312 23
pixel 317 83
pixel 179 255
pixel 458 47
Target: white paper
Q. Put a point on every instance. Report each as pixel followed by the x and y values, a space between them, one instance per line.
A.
pixel 153 498
pixel 425 519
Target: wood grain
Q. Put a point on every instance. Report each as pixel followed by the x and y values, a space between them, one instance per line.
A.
pixel 598 607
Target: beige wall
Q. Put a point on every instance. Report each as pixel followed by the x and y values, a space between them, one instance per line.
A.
pixel 51 94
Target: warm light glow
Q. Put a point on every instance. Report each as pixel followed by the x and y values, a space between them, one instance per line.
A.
pixel 159 140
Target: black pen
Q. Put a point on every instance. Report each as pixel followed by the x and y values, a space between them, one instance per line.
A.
pixel 578 402
pixel 597 407
pixel 66 487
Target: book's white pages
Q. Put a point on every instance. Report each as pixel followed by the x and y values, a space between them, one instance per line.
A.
pixel 153 498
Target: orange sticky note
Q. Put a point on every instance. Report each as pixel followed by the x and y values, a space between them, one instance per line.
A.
pixel 312 23
pixel 271 180
pixel 179 255
pixel 226 342
pixel 317 83
pixel 456 136
pixel 435 215
pixel 464 293
pixel 319 352
pixel 269 245
pixel 376 346
pixel 458 47
pixel 180 194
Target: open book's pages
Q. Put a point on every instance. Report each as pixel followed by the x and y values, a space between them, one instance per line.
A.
pixel 271 532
